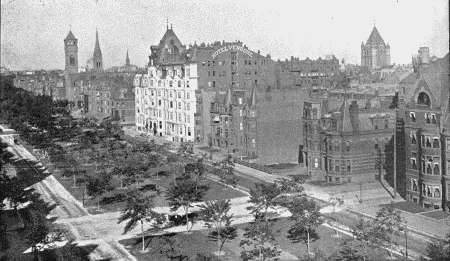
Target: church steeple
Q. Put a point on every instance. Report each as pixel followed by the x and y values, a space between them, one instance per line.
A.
pixel 127 60
pixel 97 59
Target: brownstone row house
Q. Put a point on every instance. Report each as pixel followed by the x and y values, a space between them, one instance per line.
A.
pixel 427 128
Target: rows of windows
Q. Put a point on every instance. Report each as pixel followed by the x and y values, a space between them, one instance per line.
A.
pixel 430 191
pixel 336 145
pixel 430 118
pixel 430 165
pixel 429 142
pixel 339 165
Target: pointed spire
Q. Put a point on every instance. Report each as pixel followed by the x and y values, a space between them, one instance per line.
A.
pixel 171 27
pixel 70 36
pixel 127 60
pixel 97 43
pixel 167 24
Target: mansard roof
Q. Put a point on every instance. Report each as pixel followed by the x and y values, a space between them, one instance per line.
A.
pixel 375 38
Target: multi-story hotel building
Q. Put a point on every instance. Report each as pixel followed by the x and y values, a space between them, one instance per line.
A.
pixel 427 126
pixel 220 65
pixel 166 102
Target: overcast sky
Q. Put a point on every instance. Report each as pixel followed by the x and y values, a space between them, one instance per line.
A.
pixel 32 31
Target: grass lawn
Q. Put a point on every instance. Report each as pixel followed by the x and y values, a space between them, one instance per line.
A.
pixel 15 236
pixel 182 244
pixel 114 200
pixel 438 214
pixel 282 166
pixel 408 207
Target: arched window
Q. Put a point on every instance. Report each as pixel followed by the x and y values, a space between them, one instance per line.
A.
pixel 423 99
pixel 179 83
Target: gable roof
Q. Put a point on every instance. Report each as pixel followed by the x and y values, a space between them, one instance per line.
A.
pixel 375 38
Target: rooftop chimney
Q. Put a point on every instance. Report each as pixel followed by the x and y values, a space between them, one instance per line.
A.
pixel 354 116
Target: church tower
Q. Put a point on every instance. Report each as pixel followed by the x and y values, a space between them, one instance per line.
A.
pixel 127 60
pixel 71 53
pixel 97 58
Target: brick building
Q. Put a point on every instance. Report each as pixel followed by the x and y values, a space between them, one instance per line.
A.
pixel 260 126
pixel 427 126
pixel 220 65
pixel 306 74
pixel 347 143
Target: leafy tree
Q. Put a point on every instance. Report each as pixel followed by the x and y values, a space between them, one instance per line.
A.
pixel 259 242
pixel 389 223
pixel 184 194
pixel 306 217
pixel 226 171
pixel 40 226
pixel 96 186
pixel 335 200
pixel 263 197
pixel 439 249
pixel 216 214
pixel 365 242
pixel 139 208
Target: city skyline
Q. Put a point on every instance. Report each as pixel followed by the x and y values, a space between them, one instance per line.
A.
pixel 278 29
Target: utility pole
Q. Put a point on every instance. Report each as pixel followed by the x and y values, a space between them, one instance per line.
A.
pixel 395 155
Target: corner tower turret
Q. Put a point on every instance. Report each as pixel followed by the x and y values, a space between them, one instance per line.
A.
pixel 71 53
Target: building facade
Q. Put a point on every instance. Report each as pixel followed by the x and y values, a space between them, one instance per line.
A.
pixel 219 64
pixel 349 144
pixel 427 125
pixel 166 102
pixel 306 74
pixel 375 53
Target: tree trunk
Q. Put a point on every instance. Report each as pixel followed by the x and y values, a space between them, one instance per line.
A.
pixel 307 245
pixel 74 181
pixel 187 219
pixel 121 181
pixel 219 247
pixel 143 239
pixel 98 202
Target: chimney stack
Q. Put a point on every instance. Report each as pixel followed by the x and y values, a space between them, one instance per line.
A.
pixel 354 116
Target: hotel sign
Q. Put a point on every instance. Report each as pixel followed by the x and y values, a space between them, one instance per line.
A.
pixel 232 48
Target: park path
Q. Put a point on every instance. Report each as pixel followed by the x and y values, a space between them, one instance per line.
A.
pixel 68 208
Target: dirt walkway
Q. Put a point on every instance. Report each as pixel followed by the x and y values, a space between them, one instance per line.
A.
pixel 85 231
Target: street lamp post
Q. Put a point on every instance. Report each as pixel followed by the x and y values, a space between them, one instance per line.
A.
pixel 406 241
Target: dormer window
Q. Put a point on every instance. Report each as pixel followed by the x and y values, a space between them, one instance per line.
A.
pixel 423 99
pixel 433 118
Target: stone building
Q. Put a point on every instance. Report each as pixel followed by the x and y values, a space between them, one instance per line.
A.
pixel 166 102
pixel 427 125
pixel 96 92
pixel 220 65
pixel 347 143
pixel 375 53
